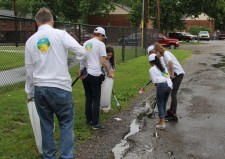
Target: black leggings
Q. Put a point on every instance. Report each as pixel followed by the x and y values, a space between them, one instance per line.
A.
pixel 176 84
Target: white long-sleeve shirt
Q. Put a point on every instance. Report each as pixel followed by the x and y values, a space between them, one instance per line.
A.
pixel 46 54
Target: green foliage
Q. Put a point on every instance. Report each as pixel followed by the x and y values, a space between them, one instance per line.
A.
pixel 172 12
pixel 135 13
pixel 67 10
pixel 6 4
pixel 63 10
pixel 213 8
pixel 196 29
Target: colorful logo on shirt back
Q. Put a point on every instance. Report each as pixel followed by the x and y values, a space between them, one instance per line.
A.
pixel 165 74
pixel 88 46
pixel 43 45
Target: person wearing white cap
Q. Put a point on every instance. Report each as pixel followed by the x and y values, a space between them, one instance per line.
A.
pixel 94 62
pixel 161 78
pixel 151 49
pixel 176 74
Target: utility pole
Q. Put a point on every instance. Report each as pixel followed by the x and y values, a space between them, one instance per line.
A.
pixel 146 13
pixel 158 13
pixel 144 19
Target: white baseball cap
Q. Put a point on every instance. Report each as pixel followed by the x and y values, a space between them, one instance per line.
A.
pixel 151 57
pixel 100 30
pixel 150 48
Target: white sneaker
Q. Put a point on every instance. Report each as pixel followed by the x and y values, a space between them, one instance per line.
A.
pixel 160 126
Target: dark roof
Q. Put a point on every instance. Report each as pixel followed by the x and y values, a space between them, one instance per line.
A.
pixel 6 12
pixel 126 8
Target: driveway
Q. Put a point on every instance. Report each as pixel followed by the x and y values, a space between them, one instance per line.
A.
pixel 200 131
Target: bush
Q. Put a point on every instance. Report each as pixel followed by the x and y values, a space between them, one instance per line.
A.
pixel 196 29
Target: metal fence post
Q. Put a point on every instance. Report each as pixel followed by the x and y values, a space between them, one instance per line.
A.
pixel 16 21
pixel 123 46
pixel 136 42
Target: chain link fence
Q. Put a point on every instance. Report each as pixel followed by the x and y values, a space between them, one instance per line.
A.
pixel 128 43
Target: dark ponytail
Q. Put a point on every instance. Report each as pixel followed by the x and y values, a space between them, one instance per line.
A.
pixel 158 64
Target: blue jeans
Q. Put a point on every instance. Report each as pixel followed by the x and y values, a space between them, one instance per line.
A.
pixel 162 94
pixel 50 101
pixel 92 87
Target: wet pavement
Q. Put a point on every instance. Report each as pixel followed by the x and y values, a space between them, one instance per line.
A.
pixel 199 134
pixel 200 131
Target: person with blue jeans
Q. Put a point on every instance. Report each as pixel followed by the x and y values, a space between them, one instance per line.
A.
pixel 48 82
pixel 176 74
pixel 161 78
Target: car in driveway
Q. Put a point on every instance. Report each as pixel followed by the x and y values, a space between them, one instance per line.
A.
pixel 194 37
pixel 132 39
pixel 168 42
pixel 180 36
pixel 221 35
pixel 203 35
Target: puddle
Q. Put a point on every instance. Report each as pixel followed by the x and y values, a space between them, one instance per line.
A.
pixel 120 149
pixel 134 128
pixel 136 125
pixel 218 54
pixel 218 65
pixel 221 64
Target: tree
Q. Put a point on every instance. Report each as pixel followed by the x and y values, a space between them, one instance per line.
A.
pixel 95 7
pixel 73 10
pixel 171 15
pixel 215 9
pixel 23 8
pixel 135 14
pixel 173 11
pixel 6 4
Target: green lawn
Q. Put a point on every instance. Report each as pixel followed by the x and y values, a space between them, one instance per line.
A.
pixel 16 136
pixel 10 60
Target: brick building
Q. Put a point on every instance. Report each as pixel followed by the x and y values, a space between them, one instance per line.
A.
pixel 118 17
pixel 201 20
pixel 10 26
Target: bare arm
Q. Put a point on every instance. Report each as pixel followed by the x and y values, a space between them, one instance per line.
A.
pixel 171 69
pixel 104 64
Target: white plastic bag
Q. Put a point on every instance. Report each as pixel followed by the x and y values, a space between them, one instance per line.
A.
pixel 106 93
pixel 35 122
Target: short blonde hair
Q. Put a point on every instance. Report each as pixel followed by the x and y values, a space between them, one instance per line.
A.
pixel 43 16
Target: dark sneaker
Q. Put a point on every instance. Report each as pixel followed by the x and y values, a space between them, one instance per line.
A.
pixel 98 126
pixel 171 118
pixel 168 118
pixel 169 112
pixel 175 118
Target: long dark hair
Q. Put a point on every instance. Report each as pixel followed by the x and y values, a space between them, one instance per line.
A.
pixel 112 59
pixel 158 64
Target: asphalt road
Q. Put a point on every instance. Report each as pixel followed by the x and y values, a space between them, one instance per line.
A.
pixel 201 110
